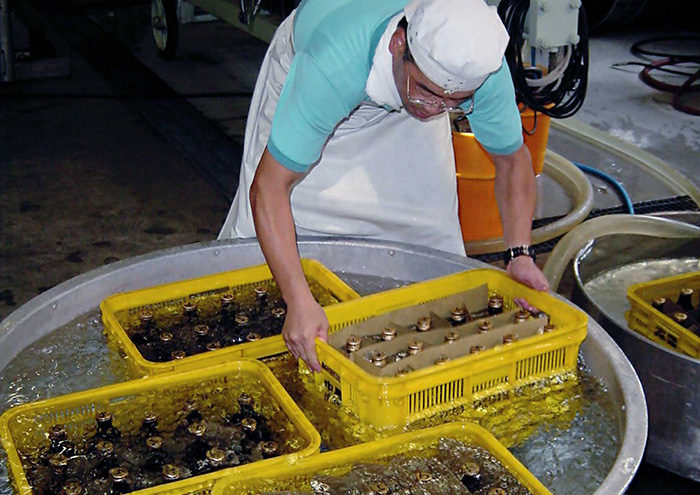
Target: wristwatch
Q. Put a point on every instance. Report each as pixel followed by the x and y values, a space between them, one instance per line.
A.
pixel 514 252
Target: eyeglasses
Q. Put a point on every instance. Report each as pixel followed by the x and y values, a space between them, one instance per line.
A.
pixel 435 104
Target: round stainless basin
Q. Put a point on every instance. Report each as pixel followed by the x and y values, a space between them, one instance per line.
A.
pixel 670 380
pixel 402 262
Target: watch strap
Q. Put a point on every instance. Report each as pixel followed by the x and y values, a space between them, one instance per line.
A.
pixel 514 252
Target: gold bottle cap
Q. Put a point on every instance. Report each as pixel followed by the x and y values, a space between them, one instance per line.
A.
pixel 201 330
pixel 496 490
pixel 269 448
pixel 442 360
pixel 249 424
pixel 150 417
pixel 72 488
pixel 104 447
pixel 459 313
pixel 495 302
pixel 522 315
pixel 402 372
pixel 226 298
pixel 379 359
pixel 260 291
pixel 379 488
pixel 57 432
pixel 424 324
pixel 154 443
pixel 509 338
pixel 165 336
pixel 353 343
pixel 213 346
pixel 687 291
pixel 171 472
pixel 278 312
pixel 451 337
pixel 422 476
pixel 496 298
pixel 145 316
pixel 548 328
pixel 253 337
pixel 659 301
pixel 216 455
pixel 198 429
pixel 388 333
pixel 485 327
pixel 680 317
pixel 177 355
pixel 58 460
pixel 471 468
pixel 189 308
pixel 241 319
pixel 415 346
pixel 103 416
pixel 476 349
pixel 245 400
pixel 118 474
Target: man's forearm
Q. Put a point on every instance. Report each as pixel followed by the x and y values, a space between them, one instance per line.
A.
pixel 516 194
pixel 274 224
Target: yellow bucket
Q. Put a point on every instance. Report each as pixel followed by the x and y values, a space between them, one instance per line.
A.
pixel 478 210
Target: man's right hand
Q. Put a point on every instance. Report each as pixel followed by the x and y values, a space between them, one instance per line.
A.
pixel 304 322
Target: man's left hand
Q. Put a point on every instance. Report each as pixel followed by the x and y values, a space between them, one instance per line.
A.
pixel 524 270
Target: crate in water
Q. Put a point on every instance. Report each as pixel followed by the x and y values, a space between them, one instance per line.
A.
pixel 429 444
pixel 655 325
pixel 206 296
pixel 214 391
pixel 384 401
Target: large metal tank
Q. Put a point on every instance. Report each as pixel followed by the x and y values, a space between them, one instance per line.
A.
pixel 670 379
pixel 386 261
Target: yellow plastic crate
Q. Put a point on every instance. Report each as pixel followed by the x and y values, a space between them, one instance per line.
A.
pixel 176 293
pixel 395 401
pixel 340 461
pixel 644 319
pixel 23 428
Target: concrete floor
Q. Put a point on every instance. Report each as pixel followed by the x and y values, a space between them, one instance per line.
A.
pixel 90 180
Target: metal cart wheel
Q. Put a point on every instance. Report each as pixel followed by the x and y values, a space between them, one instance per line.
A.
pixel 165 26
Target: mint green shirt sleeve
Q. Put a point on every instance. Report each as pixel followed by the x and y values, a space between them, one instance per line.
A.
pixel 495 120
pixel 309 108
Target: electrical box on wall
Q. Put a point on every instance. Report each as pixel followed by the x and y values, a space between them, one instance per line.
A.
pixel 553 23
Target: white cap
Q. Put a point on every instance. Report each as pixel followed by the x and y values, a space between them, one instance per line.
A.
pixel 455 43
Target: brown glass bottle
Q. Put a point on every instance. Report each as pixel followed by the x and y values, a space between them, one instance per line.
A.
pixel 685 299
pixel 458 315
pixel 495 306
pixel 119 481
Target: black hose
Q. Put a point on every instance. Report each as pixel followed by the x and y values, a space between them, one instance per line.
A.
pixel 561 98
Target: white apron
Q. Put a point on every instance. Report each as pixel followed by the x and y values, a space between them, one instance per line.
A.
pixel 382 175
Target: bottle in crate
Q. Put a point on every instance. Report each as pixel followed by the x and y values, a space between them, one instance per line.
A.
pixel 195 454
pixel 246 405
pixel 72 487
pixel 495 306
pixel 188 415
pixel 155 457
pixel 59 444
pixel 119 481
pixel 149 427
pixel 458 315
pixel 106 431
pixel 665 306
pixel 685 299
pixel 146 331
pixel 49 479
pixel 103 458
